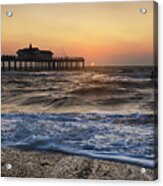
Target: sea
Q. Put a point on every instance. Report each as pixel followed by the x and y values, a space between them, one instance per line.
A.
pixel 101 112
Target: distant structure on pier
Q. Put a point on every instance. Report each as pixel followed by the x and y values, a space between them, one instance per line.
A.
pixel 34 59
pixel 34 54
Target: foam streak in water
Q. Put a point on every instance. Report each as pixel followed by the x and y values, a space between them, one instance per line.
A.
pixel 126 138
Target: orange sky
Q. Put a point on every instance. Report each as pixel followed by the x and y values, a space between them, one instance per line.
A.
pixel 103 33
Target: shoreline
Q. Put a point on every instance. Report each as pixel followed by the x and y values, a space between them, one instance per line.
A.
pixel 41 164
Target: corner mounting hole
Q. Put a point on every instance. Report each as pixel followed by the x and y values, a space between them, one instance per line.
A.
pixel 9 13
pixel 143 10
pixel 142 170
pixel 8 166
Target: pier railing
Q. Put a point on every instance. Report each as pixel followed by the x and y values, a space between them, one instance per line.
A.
pixel 12 63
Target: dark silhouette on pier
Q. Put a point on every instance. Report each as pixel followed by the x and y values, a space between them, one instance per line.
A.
pixel 33 59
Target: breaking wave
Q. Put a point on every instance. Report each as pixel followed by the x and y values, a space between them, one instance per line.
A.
pixel 125 138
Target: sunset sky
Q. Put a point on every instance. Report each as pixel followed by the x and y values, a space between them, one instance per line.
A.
pixel 103 33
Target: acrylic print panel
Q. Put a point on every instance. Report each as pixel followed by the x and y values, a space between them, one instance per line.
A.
pixel 79 90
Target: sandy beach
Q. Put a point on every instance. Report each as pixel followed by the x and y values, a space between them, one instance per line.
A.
pixel 59 165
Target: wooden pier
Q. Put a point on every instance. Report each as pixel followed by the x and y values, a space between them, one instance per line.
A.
pixel 12 63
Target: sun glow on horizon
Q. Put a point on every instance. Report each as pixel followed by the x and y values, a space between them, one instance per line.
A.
pixel 92 64
pixel 106 33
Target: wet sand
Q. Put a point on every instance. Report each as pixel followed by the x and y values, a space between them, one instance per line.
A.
pixel 59 165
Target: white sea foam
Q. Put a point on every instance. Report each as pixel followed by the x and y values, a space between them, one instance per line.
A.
pixel 126 138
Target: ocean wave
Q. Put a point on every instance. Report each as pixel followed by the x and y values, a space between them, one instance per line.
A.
pixel 126 89
pixel 126 138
